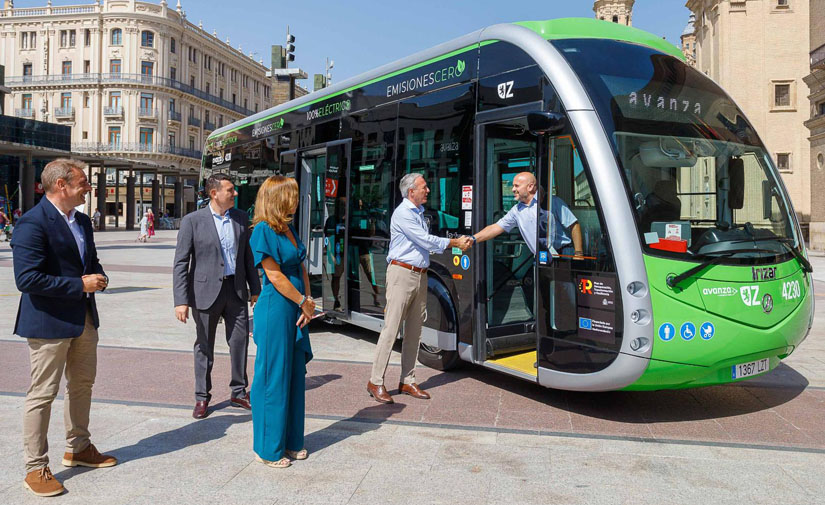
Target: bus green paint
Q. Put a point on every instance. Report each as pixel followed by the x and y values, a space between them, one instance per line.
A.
pixel 739 328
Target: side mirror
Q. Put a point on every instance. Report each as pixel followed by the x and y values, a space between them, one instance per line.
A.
pixel 545 122
pixel 736 175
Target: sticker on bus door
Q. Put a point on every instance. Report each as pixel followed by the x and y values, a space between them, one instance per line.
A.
pixel 466 198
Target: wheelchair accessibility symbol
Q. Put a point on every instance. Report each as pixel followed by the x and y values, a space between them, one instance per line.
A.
pixel 688 331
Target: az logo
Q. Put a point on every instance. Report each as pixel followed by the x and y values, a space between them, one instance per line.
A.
pixel 505 90
pixel 750 296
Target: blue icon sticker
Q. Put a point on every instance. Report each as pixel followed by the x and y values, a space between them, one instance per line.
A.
pixel 465 262
pixel 688 331
pixel 326 241
pixel 543 257
pixel 667 331
pixel 707 330
pixel 585 323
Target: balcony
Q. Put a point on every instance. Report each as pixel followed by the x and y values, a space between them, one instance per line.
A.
pixel 121 78
pixel 28 112
pixel 133 147
pixel 147 113
pixel 209 126
pixel 64 112
pixel 193 121
pixel 174 116
pixel 113 111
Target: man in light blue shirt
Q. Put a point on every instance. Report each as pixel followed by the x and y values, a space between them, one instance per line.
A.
pixel 226 234
pixel 566 227
pixel 408 258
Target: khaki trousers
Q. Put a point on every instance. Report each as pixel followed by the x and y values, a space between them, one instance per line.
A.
pixel 406 303
pixel 49 358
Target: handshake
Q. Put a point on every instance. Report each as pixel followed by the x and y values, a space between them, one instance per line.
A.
pixel 464 242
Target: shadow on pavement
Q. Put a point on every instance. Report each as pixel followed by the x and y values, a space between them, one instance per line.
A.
pixel 316 381
pixel 367 419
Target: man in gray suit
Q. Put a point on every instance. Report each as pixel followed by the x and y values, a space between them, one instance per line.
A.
pixel 214 273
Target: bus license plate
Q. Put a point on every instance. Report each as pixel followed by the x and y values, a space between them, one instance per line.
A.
pixel 749 369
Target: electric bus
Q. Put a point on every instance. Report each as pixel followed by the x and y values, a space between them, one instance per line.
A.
pixel 692 271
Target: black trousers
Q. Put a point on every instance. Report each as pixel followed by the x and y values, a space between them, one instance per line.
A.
pixel 235 313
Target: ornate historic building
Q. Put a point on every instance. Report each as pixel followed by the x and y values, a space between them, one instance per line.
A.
pixel 688 39
pixel 816 122
pixel 617 11
pixel 134 80
pixel 758 51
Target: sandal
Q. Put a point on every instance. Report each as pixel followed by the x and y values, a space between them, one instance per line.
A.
pixel 281 463
pixel 302 454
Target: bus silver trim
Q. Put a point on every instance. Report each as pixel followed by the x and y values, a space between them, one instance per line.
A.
pixel 365 321
pixel 465 352
pixel 436 338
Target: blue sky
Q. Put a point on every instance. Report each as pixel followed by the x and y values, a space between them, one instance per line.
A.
pixel 363 34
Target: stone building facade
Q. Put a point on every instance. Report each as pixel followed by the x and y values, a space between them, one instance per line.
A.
pixel 816 122
pixel 688 39
pixel 134 80
pixel 757 50
pixel 617 11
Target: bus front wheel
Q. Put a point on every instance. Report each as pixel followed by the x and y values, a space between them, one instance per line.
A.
pixel 440 316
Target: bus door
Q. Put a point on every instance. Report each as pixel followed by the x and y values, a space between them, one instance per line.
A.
pixel 323 222
pixel 506 265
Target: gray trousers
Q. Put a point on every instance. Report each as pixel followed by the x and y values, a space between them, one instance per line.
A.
pixel 235 313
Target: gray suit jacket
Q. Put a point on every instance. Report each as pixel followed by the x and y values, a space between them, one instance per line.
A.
pixel 198 269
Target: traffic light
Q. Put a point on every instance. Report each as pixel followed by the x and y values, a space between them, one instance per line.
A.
pixel 289 48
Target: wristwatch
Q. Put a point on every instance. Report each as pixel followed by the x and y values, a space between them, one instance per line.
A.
pixel 474 238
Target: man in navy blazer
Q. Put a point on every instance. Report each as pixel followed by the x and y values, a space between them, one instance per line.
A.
pixel 57 271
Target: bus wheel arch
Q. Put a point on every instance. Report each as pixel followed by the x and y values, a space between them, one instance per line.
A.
pixel 441 316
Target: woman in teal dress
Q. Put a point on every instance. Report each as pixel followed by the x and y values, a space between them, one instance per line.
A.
pixel 283 310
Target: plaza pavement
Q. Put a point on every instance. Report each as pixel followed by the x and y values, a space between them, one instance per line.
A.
pixel 484 438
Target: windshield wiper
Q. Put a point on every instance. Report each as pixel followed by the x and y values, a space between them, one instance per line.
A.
pixel 806 265
pixel 674 281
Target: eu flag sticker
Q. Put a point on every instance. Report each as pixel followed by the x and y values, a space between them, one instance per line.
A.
pixel 585 323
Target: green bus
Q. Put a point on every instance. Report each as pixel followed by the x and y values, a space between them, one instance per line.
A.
pixel 694 269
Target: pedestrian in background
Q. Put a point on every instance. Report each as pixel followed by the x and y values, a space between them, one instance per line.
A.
pixel 57 271
pixel 96 219
pixel 144 228
pixel 214 275
pixel 4 221
pixel 281 336
pixel 150 216
pixel 409 258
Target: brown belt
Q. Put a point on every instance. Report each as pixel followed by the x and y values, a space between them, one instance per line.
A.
pixel 415 269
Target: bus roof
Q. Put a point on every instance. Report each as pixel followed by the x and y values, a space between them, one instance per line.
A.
pixel 554 29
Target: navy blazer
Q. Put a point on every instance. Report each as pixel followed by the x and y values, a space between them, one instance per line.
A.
pixel 48 271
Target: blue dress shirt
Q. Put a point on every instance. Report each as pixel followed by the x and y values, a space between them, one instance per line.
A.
pixel 410 240
pixel 227 235
pixel 525 217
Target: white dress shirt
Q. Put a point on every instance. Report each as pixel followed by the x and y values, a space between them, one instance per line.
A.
pixel 77 231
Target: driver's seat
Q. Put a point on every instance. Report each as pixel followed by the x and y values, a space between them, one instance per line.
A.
pixel 662 204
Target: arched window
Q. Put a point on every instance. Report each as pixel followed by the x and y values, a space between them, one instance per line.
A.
pixel 147 38
pixel 117 37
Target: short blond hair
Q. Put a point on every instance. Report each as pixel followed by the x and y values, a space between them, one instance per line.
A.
pixel 276 202
pixel 61 168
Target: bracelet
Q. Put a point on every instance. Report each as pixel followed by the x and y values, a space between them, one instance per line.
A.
pixel 303 300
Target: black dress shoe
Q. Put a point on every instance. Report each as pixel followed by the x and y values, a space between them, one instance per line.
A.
pixel 241 401
pixel 201 410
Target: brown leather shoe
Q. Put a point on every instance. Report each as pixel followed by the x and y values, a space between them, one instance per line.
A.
pixel 414 391
pixel 42 483
pixel 200 410
pixel 89 457
pixel 241 401
pixel 379 393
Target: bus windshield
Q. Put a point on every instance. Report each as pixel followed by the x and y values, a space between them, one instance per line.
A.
pixel 700 180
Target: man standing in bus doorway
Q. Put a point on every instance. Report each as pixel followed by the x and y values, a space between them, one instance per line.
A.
pixel 408 258
pixel 214 273
pixel 524 214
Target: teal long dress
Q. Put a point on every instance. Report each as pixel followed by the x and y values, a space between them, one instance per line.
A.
pixel 277 392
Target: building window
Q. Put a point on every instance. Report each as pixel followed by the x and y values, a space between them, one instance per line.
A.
pixel 192 142
pixel 72 37
pixel 615 19
pixel 147 38
pixel 87 37
pixel 85 135
pixel 220 95
pixel 27 102
pixel 64 38
pixel 67 67
pixel 147 68
pixel 114 99
pixel 220 120
pixel 114 137
pixel 117 37
pixel 172 47
pixel 27 70
pixel 820 160
pixel 87 67
pixel 114 66
pixel 820 108
pixel 171 138
pixel 171 105
pixel 192 81
pixel 783 162
pixel 246 103
pixel 234 98
pixel 191 110
pixel 24 40
pixel 782 95
pixel 146 136
pixel 146 101
pixel 207 88
pixel 86 100
pixel 173 73
pixel 783 4
pixel 65 100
